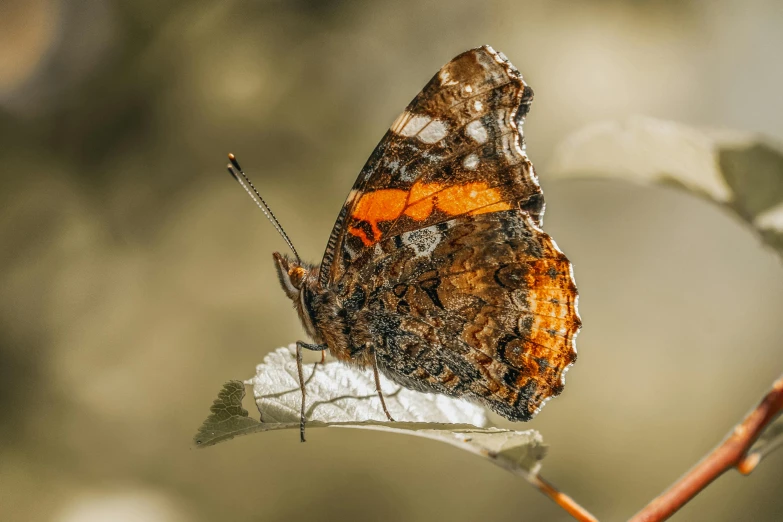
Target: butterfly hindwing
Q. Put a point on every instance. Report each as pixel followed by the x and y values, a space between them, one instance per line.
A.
pixel 481 306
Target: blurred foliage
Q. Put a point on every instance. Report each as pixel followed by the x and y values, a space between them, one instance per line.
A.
pixel 741 172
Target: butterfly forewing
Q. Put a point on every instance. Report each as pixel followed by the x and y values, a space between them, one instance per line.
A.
pixel 456 149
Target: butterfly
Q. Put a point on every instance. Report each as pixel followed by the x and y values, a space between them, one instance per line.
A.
pixel 437 273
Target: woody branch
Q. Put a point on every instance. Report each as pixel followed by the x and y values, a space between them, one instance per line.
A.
pixel 733 452
pixel 561 499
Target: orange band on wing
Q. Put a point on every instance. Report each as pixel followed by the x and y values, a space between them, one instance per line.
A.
pixel 373 207
pixel 419 204
pixel 473 198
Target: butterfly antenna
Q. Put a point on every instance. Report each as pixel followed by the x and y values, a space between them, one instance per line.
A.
pixel 238 174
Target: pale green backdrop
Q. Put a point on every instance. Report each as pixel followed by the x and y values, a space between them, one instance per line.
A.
pixel 136 277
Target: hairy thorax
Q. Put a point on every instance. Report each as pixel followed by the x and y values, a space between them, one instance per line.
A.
pixel 335 327
pixel 326 321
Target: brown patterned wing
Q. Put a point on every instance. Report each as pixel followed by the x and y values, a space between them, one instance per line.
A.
pixel 457 149
pixel 482 307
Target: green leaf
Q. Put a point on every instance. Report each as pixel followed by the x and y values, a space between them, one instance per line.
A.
pixel 343 397
pixel 228 418
pixel 740 172
pixel 337 393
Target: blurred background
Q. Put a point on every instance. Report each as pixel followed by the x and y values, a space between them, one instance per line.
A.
pixel 136 277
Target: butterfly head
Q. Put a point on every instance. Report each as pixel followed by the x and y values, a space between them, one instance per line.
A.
pixel 293 275
pixel 299 281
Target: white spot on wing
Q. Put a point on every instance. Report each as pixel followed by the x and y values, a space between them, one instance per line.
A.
pixel 434 132
pixel 406 174
pixel 471 162
pixel 478 105
pixel 415 124
pixel 477 131
pixel 422 241
pixel 445 78
pixel 393 165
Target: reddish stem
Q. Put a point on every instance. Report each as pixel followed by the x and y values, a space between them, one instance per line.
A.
pixel 562 500
pixel 731 453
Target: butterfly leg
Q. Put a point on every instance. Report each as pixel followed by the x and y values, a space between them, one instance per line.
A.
pixel 378 386
pixel 315 348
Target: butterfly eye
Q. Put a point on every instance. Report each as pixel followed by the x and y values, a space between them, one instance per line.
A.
pixel 297 275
